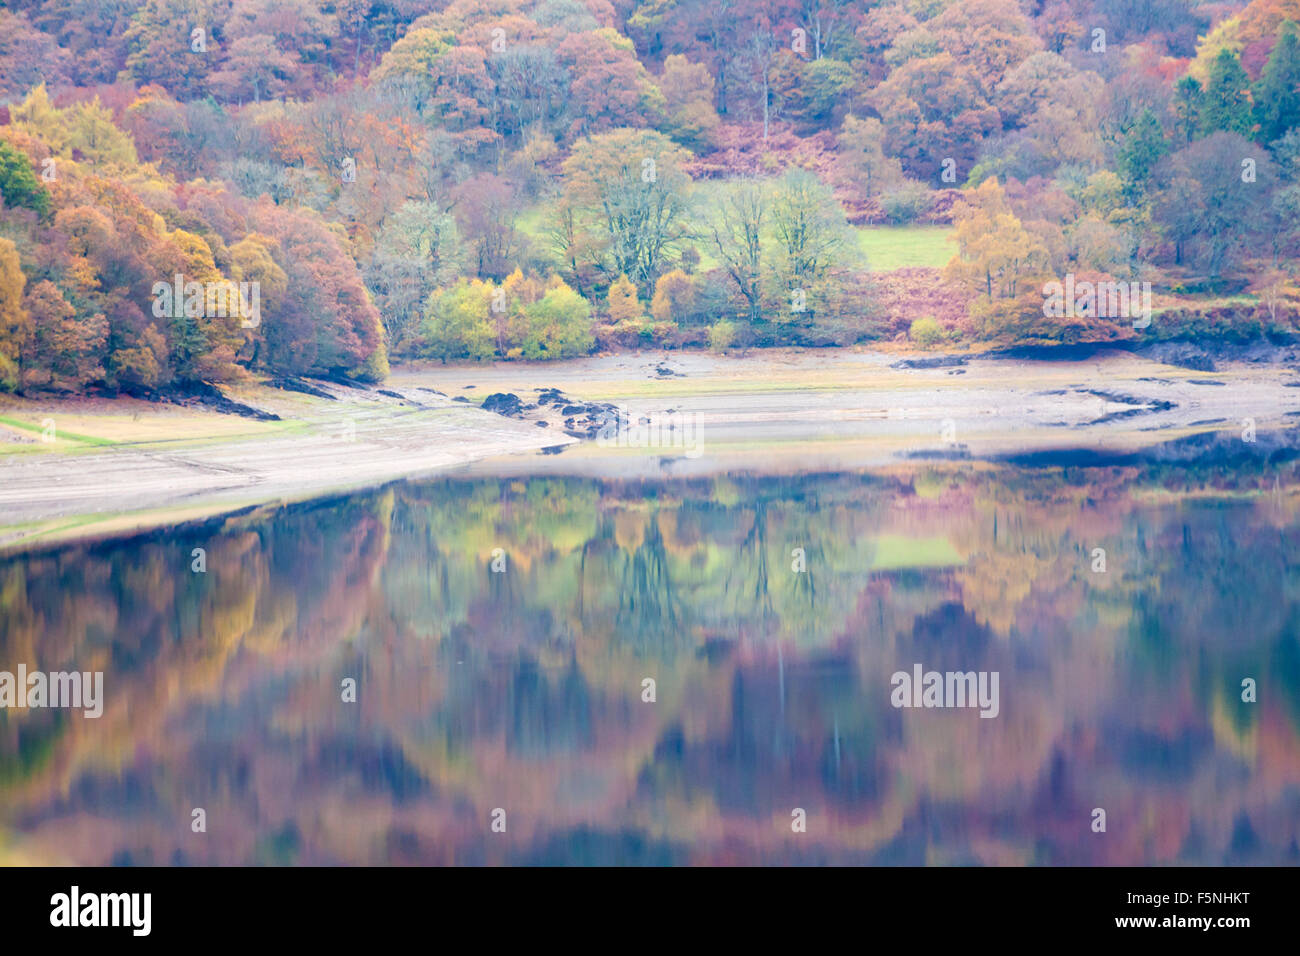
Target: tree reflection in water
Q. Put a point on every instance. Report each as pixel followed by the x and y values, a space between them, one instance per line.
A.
pixel 523 689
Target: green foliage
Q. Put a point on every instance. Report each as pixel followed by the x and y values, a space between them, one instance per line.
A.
pixel 93 136
pixel 816 90
pixel 559 325
pixel 411 61
pixel 1139 153
pixel 1224 105
pixel 456 325
pixel 1240 323
pixel 625 207
pixel 926 332
pixel 8 374
pixel 19 185
pixel 1277 95
pixel 1188 94
pixel 722 335
pixel 810 241
pixel 905 203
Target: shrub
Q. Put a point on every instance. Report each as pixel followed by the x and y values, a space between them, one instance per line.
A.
pixel 674 298
pixel 722 335
pixel 559 325
pixel 906 203
pixel 926 331
pixel 621 302
pixel 8 374
pixel 456 324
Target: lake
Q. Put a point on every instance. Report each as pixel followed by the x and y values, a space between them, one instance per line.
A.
pixel 559 670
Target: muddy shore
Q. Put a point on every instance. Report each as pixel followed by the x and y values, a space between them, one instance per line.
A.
pixel 92 467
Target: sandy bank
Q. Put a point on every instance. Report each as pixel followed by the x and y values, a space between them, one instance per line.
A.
pixel 160 464
pixel 116 466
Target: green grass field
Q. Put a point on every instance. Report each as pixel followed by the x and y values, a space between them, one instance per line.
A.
pixel 896 247
pixel 886 247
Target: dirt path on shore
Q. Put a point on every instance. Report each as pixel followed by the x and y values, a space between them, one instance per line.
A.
pixel 88 467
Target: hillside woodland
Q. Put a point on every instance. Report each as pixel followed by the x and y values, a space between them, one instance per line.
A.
pixel 324 187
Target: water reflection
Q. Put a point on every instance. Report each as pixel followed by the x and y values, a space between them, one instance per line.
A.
pixel 523 690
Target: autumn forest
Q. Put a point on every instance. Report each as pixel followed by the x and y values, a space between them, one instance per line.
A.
pixel 621 432
pixel 479 179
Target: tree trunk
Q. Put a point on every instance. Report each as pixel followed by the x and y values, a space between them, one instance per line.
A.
pixel 765 104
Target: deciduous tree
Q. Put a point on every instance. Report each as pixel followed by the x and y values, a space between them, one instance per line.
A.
pixel 629 194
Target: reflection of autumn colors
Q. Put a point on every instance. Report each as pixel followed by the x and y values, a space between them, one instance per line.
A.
pixel 522 690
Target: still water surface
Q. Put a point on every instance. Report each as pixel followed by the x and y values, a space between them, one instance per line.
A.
pixel 523 689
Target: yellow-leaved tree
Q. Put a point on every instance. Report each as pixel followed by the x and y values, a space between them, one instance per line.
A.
pixel 1001 262
pixel 621 302
pixel 14 320
pixel 996 255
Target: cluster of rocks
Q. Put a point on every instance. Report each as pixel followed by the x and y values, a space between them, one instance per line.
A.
pixel 291 384
pixel 934 361
pixel 206 395
pixel 580 419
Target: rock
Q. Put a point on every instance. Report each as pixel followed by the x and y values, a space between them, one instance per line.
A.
pixel 296 385
pixel 936 361
pixel 209 396
pixel 1183 354
pixel 504 403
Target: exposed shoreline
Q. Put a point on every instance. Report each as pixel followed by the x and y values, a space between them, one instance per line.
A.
pixel 121 466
